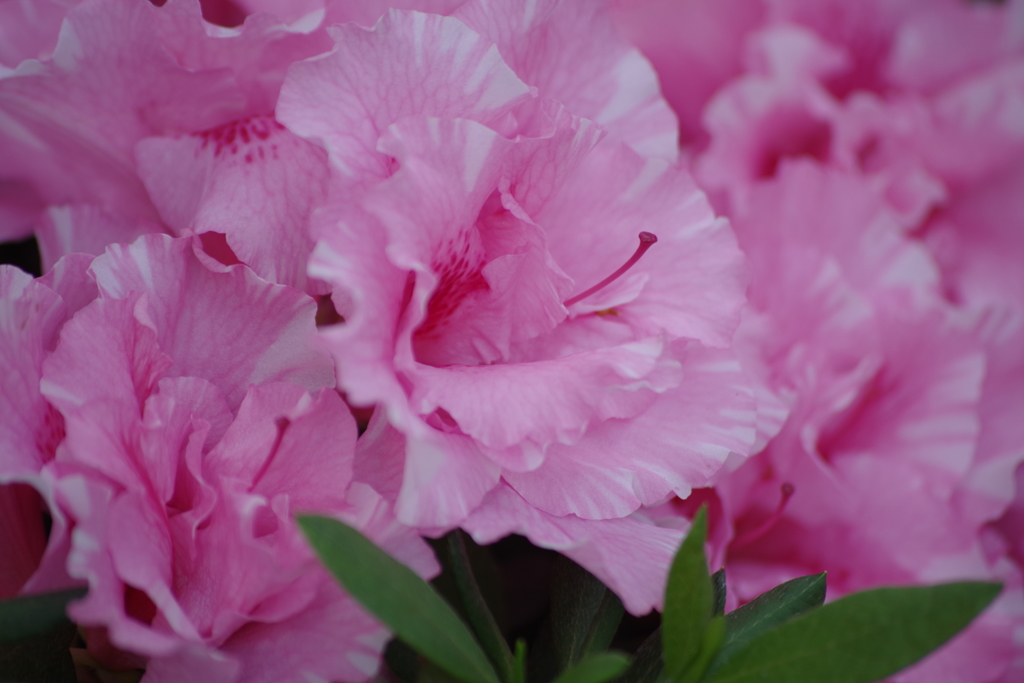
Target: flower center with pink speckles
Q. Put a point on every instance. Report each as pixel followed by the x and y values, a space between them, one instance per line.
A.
pixel 250 136
pixel 458 266
pixel 50 434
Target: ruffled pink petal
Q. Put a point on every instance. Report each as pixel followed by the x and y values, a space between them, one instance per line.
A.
pixel 529 406
pixel 69 277
pixel 30 317
pixel 193 663
pixel 380 457
pixel 85 229
pixel 180 408
pixel 409 64
pixel 333 639
pixel 280 437
pixel 258 53
pixel 677 444
pixel 106 352
pixel 288 11
pixel 88 502
pixel 49 571
pixel 445 478
pixel 141 548
pixel 251 180
pixel 571 52
pixel 368 12
pixel 263 332
pixel 29 31
pixel 368 334
pixel 246 563
pixel 628 555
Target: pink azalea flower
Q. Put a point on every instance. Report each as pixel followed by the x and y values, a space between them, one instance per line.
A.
pixel 199 419
pixel 145 120
pixel 461 268
pixel 878 474
pixel 31 315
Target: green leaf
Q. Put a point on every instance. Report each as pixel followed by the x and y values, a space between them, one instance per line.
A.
pixel 595 669
pixel 41 658
pixel 32 615
pixel 477 612
pixel 712 642
pixel 768 610
pixel 864 637
pixel 605 624
pixel 646 666
pixel 718 581
pixel 403 601
pixel 578 620
pixel 689 603
pixel 576 599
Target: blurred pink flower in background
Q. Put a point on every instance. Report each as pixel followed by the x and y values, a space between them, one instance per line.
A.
pixel 866 154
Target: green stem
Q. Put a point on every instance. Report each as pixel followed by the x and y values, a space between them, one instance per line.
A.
pixel 520 665
pixel 477 612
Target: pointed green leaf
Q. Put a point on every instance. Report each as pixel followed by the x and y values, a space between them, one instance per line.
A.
pixel 476 610
pixel 864 637
pixel 605 624
pixel 595 669
pixel 576 599
pixel 32 615
pixel 403 601
pixel 689 603
pixel 768 610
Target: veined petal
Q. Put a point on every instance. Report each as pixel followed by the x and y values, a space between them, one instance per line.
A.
pixel 410 64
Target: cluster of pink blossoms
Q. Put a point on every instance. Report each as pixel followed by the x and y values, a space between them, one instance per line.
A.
pixel 407 212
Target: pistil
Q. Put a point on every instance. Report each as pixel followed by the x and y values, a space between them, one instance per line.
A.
pixel 646 240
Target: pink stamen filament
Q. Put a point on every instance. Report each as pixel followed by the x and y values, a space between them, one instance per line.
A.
pixel 766 525
pixel 282 423
pixel 646 240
